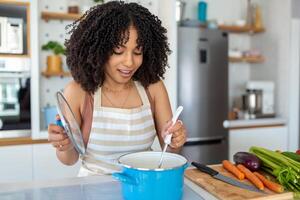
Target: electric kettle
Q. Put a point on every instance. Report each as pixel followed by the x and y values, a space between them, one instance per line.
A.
pixel 252 102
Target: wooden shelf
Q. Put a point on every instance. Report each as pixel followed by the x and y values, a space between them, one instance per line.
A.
pixel 257 59
pixel 10 2
pixel 59 16
pixel 21 141
pixel 241 29
pixel 61 74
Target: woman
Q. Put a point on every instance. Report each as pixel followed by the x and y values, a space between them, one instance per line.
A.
pixel 117 54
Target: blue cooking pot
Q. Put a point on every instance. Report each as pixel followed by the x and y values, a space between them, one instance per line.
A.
pixel 141 178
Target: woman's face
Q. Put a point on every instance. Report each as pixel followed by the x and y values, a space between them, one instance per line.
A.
pixel 125 60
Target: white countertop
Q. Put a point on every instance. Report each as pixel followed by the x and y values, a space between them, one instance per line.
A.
pixel 81 188
pixel 254 123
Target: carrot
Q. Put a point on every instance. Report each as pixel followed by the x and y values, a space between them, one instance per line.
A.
pixel 233 169
pixel 251 177
pixel 269 184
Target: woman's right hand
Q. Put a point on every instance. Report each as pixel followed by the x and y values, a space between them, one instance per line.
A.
pixel 58 138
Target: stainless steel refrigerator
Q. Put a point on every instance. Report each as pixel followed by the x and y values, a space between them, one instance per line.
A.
pixel 203 92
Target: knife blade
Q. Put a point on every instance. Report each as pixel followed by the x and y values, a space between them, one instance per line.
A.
pixel 217 175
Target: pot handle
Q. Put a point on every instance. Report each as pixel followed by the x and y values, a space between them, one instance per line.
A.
pixel 124 178
pixel 186 165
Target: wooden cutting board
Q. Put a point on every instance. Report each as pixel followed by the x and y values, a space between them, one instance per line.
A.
pixel 222 190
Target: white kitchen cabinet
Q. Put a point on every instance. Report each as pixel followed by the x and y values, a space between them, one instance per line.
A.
pixel 47 166
pixel 273 138
pixel 32 162
pixel 16 163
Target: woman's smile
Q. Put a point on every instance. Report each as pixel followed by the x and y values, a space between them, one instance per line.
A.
pixel 125 73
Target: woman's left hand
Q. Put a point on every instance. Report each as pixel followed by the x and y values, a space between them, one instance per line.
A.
pixel 178 132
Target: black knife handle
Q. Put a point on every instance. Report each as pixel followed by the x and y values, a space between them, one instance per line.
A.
pixel 205 169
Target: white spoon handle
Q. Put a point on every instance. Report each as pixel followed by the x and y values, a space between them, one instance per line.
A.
pixel 168 137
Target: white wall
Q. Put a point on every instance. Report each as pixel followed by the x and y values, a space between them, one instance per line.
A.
pixel 294 86
pixel 280 45
pixel 275 46
pixel 35 74
pixel 294 90
pixel 167 15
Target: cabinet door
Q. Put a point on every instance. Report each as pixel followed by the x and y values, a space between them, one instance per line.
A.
pixel 47 166
pixel 16 163
pixel 273 138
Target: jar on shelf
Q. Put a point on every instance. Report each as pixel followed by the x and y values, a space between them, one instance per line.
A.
pixel 257 17
pixel 73 6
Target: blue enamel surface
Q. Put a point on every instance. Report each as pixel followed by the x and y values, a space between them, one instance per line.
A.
pixel 151 185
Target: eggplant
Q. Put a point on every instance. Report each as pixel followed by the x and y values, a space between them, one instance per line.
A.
pixel 249 160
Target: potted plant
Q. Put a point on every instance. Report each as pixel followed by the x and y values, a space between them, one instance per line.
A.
pixel 54 62
pixel 99 1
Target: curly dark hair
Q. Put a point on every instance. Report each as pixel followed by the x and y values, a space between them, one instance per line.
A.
pixel 105 27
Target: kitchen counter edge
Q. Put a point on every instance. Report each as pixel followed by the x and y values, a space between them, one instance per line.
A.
pixel 21 141
pixel 254 123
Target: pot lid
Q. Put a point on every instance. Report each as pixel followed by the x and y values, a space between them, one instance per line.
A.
pixel 69 123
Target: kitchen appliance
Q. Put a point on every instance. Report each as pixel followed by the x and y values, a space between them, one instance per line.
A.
pixel 142 179
pixel 203 92
pixel 15 101
pixel 226 179
pixel 252 103
pixel 15 112
pixel 180 8
pixel 265 89
pixel 3 22
pixel 11 35
pixel 9 96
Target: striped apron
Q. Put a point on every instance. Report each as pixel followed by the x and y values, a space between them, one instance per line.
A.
pixel 116 132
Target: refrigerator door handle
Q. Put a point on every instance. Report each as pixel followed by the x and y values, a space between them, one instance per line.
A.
pixel 204 140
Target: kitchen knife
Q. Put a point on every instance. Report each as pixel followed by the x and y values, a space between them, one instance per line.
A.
pixel 217 175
